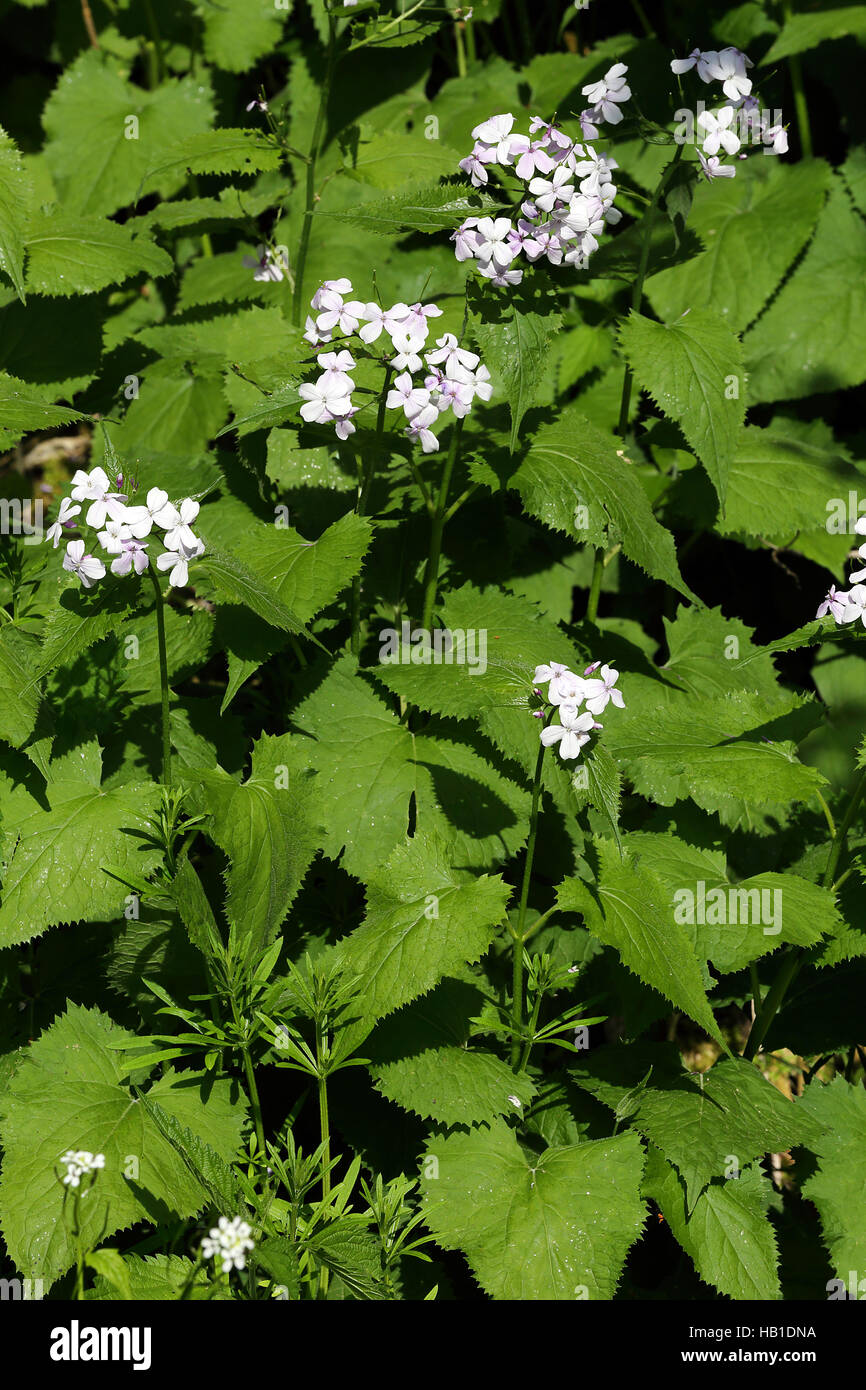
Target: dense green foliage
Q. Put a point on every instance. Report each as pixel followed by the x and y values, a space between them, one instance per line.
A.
pixel 300 924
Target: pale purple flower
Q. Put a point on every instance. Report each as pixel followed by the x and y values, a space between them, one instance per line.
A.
pixel 714 168
pixel 113 535
pixel 266 263
pixel 718 125
pixel 606 95
pixel 406 396
pixel 572 733
pixel 557 189
pixel 140 519
pixel 87 567
pixel 495 242
pixel 495 132
pixel 416 322
pixel 312 334
pixel 330 294
pixel 598 693
pixel 94 487
pixel 133 556
pixel 835 603
pixel 531 157
pixel 729 67
pixel 855 606
pixel 336 362
pixel 453 357
pixel 378 318
pixel 176 522
pixel 406 346
pixel 466 239
pixel 325 398
pixel 64 519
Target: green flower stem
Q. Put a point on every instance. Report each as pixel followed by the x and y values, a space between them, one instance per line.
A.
pixel 795 958
pixel 795 68
pixel 431 573
pixel 637 291
pixel 533 1024
pixel 837 843
pixel 316 145
pixel 461 49
pixel 519 939
pixel 255 1103
pixel 163 677
pixel 595 585
pixel 790 965
pixel 471 51
pixel 325 1130
pixel 361 505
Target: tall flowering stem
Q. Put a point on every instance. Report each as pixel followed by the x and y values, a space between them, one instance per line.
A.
pixel 361 507
pixel 440 516
pixel 517 955
pixel 800 106
pixel 163 678
pixel 318 140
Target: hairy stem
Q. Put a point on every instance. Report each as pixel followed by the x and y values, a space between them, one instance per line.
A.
pixel 795 67
pixel 163 678
pixel 361 506
pixel 325 1130
pixel 255 1103
pixel 837 843
pixel 316 144
pixel 517 962
pixel 595 585
pixel 431 573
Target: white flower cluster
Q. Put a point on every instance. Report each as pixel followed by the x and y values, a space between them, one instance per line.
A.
pixel 453 376
pixel 566 692
pixel 121 530
pixel 571 192
pixel 728 66
pixel 229 1242
pixel 78 1163
pixel 847 606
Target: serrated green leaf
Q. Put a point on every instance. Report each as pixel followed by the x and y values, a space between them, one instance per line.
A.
pixel 55 859
pixel 771 204
pixel 96 157
pixel 370 767
pixel 621 910
pixel 79 255
pixel 819 315
pixel 15 192
pixel 699 1120
pixel 836 1187
pixel 572 1212
pixel 454 1086
pixel 727 1234
pixel 66 1093
pixel 576 479
pixel 801 32
pixel 423 920
pixel 268 828
pixel 516 349
pixel 693 370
